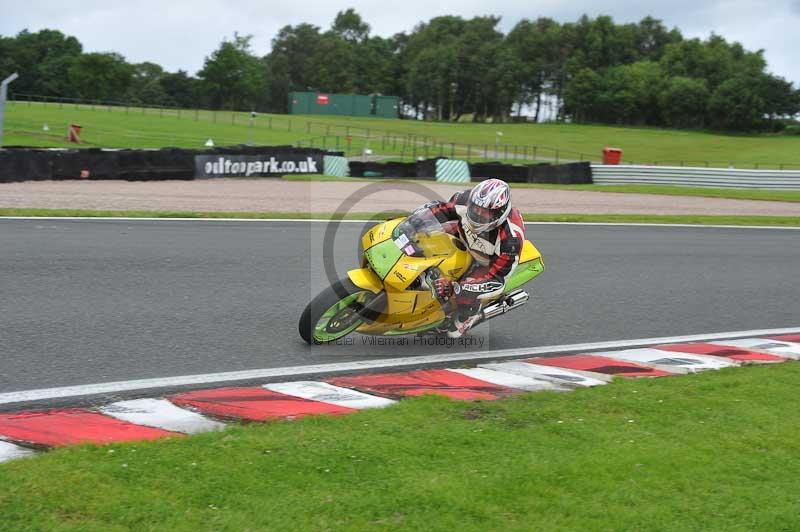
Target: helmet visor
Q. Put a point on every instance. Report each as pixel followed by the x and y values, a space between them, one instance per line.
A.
pixel 480 216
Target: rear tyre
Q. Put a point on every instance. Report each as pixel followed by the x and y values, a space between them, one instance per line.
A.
pixel 334 313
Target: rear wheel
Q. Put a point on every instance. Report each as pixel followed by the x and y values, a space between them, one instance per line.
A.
pixel 334 313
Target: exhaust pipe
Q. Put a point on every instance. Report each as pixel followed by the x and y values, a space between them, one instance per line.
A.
pixel 513 300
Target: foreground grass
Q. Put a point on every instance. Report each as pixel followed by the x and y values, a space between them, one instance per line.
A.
pixel 715 451
pixel 121 127
pixel 788 221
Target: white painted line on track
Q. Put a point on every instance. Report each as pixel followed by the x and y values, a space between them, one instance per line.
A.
pixel 328 393
pixel 293 371
pixel 510 380
pixel 9 451
pixel 322 220
pixel 161 414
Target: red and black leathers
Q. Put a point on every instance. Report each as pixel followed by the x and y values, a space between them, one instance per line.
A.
pixel 495 253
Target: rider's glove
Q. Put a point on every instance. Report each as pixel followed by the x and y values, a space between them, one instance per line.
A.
pixel 442 288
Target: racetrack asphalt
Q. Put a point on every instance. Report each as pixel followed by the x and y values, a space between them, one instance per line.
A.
pixel 87 301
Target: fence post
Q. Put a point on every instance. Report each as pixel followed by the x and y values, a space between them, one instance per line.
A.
pixel 414 151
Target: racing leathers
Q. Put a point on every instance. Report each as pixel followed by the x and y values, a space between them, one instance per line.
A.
pixel 495 255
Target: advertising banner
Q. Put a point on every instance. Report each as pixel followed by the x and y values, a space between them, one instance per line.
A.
pixel 257 165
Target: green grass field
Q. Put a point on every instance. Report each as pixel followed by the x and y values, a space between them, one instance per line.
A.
pixel 152 128
pixel 714 451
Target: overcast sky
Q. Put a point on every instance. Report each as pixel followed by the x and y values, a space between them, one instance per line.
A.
pixel 179 34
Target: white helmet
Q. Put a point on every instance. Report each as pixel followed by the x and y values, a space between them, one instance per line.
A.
pixel 488 206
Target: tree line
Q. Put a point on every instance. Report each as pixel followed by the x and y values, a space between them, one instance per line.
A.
pixel 448 68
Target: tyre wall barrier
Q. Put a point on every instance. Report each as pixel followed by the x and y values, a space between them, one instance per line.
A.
pixel 564 174
pixel 26 164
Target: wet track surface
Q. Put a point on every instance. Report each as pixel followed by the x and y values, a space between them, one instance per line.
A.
pixel 94 301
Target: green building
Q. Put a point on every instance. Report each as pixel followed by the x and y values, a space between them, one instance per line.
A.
pixel 320 103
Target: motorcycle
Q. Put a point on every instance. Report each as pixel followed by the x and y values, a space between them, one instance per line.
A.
pixel 390 293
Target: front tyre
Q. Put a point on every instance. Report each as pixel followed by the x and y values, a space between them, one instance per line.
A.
pixel 334 313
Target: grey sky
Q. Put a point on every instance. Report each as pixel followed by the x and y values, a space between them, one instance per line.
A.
pixel 180 33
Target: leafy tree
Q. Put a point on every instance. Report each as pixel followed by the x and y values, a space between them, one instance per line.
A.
pixel 43 60
pixel 684 101
pixel 331 63
pixel 146 86
pixel 581 95
pixel 297 44
pixel 101 76
pixel 780 97
pixel 736 104
pixel 232 77
pixel 349 26
pixel 179 89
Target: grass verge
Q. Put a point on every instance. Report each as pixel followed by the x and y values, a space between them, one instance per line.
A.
pixel 715 451
pixel 784 221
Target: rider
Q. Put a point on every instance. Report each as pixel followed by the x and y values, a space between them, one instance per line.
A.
pixel 493 231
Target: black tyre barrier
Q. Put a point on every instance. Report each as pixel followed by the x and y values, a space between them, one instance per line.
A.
pixel 544 173
pixel 31 164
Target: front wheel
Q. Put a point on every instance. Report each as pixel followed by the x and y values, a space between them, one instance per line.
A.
pixel 334 313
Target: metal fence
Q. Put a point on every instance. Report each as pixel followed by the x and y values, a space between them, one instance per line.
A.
pixel 695 177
